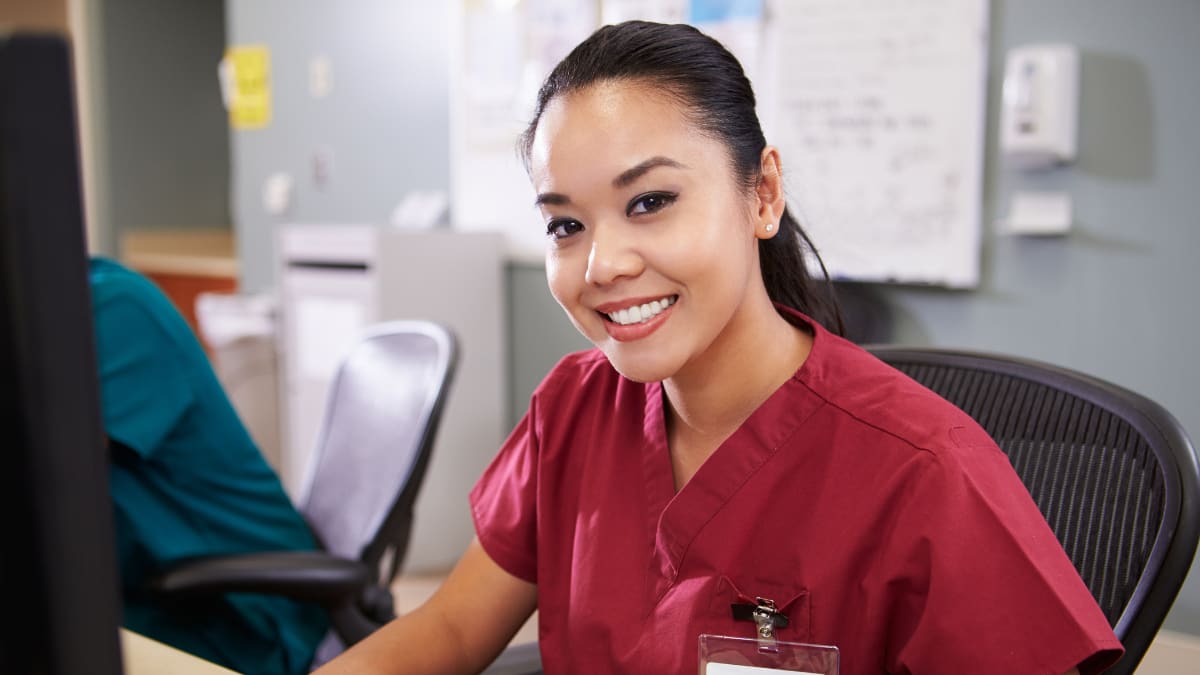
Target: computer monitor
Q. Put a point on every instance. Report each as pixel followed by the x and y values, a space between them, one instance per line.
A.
pixel 61 606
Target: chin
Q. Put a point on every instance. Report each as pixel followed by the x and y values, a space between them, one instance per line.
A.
pixel 639 368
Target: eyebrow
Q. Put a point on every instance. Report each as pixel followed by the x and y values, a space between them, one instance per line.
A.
pixel 625 179
pixel 630 175
pixel 552 198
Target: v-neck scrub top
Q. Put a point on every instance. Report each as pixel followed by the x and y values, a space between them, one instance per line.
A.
pixel 880 518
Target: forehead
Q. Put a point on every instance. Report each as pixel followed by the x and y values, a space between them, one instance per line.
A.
pixel 611 126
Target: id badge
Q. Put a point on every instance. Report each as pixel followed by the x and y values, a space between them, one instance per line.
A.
pixel 722 655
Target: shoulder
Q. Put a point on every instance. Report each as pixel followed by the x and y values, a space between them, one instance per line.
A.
pixel 114 285
pixel 587 371
pixel 127 307
pixel 585 361
pixel 859 386
pixel 110 279
pixel 584 394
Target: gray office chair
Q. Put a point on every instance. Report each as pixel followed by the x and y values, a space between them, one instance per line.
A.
pixel 381 419
pixel 1112 471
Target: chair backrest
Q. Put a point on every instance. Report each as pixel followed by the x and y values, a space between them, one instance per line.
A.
pixel 380 422
pixel 1112 471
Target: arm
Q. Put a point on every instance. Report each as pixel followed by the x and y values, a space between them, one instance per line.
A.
pixel 461 629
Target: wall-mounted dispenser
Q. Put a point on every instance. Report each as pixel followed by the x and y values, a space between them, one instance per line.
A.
pixel 1039 119
pixel 1039 129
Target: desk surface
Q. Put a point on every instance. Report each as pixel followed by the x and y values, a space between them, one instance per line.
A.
pixel 144 656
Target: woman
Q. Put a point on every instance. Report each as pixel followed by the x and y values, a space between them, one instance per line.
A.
pixel 721 444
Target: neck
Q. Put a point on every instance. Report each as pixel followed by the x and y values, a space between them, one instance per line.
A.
pixel 711 398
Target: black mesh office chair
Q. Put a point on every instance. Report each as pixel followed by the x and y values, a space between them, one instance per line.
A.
pixel 1112 471
pixel 381 419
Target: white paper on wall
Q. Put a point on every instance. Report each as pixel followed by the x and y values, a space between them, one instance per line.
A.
pixel 878 110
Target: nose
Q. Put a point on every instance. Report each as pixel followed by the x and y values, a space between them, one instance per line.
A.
pixel 611 257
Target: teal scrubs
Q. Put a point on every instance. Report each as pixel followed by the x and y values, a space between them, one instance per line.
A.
pixel 187 481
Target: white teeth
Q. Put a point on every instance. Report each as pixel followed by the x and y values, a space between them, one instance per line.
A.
pixel 641 313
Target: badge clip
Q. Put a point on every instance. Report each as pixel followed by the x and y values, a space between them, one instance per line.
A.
pixel 765 615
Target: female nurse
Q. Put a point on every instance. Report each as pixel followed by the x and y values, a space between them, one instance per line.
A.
pixel 721 443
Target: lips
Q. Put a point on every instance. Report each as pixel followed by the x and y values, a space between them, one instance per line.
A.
pixel 634 319
pixel 638 312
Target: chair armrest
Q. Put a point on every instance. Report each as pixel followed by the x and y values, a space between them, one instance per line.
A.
pixel 309 576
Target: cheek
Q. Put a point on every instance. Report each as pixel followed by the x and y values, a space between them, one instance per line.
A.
pixel 564 280
pixel 554 277
pixel 710 247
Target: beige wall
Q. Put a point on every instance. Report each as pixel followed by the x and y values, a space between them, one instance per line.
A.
pixel 34 14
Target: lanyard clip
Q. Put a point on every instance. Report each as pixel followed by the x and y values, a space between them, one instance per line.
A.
pixel 764 618
pixel 765 615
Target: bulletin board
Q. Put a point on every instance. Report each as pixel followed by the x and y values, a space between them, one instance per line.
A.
pixel 877 107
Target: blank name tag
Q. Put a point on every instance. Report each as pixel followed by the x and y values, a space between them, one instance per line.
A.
pixel 723 655
pixel 731 669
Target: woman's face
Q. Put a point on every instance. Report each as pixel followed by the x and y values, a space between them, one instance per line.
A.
pixel 651 246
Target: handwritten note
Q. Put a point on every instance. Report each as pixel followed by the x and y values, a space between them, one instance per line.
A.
pixel 878 109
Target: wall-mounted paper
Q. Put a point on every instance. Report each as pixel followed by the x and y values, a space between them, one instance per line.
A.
pixel 507 50
pixel 245 76
pixel 665 11
pixel 737 24
pixel 879 115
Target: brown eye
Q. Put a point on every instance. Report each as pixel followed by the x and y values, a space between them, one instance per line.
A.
pixel 563 228
pixel 650 203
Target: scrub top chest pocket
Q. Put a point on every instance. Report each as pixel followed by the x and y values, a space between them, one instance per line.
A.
pixel 738 602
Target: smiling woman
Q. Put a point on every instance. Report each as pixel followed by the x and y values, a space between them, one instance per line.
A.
pixel 657 214
pixel 722 445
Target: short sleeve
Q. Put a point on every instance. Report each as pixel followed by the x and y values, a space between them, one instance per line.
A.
pixel 984 586
pixel 504 502
pixel 144 384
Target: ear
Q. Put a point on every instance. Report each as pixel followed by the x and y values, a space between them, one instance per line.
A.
pixel 771 200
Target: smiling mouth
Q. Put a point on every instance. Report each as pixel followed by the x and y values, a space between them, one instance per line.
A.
pixel 640 313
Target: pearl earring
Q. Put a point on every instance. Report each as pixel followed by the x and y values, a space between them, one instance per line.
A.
pixel 769 227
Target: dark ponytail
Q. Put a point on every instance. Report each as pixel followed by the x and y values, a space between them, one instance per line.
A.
pixel 717 98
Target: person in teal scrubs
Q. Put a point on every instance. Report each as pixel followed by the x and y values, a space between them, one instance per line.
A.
pixel 187 480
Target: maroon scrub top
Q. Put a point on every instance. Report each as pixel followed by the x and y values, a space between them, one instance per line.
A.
pixel 878 517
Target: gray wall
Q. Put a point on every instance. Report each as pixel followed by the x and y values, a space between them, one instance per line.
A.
pixel 165 151
pixel 384 127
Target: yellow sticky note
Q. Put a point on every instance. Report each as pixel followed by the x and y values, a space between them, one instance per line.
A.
pixel 250 95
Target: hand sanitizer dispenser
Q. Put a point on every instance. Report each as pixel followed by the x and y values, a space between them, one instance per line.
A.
pixel 1039 120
